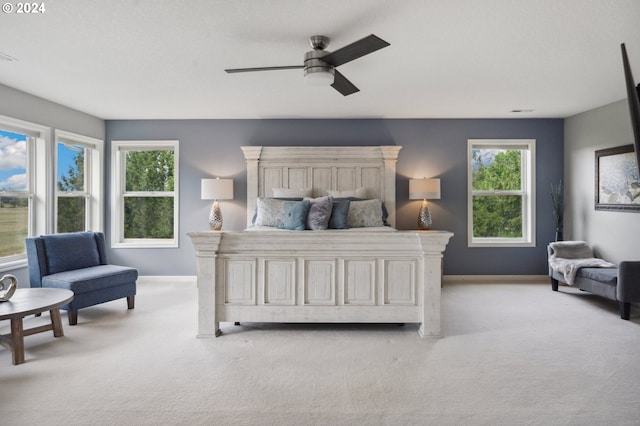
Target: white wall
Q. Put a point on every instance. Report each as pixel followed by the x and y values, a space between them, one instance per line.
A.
pixel 23 106
pixel 26 107
pixel 614 234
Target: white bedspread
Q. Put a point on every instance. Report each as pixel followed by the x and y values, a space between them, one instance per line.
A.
pixel 350 230
pixel 569 267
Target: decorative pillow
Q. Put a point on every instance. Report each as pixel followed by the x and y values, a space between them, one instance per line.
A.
pixel 319 213
pixel 365 213
pixel 339 214
pixel 269 212
pixel 385 212
pixel 295 215
pixel 291 193
pixel 255 213
pixel 358 192
pixel 572 249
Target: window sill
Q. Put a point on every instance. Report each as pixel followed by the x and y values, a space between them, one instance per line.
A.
pixel 501 243
pixel 12 265
pixel 135 244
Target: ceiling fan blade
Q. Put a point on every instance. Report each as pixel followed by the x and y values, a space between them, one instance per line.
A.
pixel 342 85
pixel 355 50
pixel 287 67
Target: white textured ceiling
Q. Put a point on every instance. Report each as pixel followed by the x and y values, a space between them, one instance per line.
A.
pixel 147 59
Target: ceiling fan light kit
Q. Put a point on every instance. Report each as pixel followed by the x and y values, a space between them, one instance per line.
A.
pixel 316 71
pixel 320 65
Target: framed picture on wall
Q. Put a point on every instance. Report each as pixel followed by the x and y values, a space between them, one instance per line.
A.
pixel 617 179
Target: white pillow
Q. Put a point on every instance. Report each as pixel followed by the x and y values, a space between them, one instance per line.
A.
pixel 291 193
pixel 358 193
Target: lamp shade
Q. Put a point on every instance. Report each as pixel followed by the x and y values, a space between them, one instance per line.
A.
pixel 424 189
pixel 216 189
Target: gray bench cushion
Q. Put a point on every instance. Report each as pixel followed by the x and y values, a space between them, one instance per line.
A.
pixel 607 276
pixel 92 278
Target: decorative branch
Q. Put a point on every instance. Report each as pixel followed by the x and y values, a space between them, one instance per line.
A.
pixel 558 205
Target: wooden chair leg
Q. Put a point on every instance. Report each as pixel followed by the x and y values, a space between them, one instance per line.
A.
pixel 131 302
pixel 625 310
pixel 554 284
pixel 73 317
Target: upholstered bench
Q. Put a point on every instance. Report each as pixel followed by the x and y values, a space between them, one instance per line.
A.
pixel 77 261
pixel 620 284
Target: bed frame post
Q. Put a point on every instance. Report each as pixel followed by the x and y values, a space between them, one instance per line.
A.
pixel 206 244
pixel 390 156
pixel 433 244
pixel 252 157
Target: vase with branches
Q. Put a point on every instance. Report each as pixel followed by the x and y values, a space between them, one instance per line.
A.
pixel 558 209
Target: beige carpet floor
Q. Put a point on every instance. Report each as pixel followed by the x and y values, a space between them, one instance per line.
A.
pixel 512 354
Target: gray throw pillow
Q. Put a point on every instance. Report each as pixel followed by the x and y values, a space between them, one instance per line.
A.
pixel 269 212
pixel 365 213
pixel 319 213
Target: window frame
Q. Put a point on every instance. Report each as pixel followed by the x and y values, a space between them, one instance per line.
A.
pixel 93 173
pixel 527 192
pixel 118 193
pixel 38 170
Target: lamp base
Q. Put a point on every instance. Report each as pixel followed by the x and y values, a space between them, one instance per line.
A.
pixel 424 217
pixel 215 217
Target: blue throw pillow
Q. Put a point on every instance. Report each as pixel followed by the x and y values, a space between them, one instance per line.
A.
pixel 339 214
pixel 295 215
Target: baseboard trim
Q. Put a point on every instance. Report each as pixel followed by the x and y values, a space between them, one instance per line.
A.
pixel 178 279
pixel 495 279
pixel 475 279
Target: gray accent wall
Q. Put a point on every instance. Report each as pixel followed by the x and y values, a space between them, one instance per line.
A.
pixel 431 148
pixel 614 234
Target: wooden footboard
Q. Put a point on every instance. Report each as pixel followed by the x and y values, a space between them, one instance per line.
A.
pixel 327 276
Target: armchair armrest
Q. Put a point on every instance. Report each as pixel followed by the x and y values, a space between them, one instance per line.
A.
pixel 628 288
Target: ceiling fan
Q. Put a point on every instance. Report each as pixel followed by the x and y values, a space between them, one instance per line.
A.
pixel 320 66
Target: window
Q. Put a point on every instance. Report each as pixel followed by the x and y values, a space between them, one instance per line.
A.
pixel 23 194
pixel 501 200
pixel 145 194
pixel 78 183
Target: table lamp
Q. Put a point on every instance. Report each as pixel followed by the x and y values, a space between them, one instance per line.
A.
pixel 216 189
pixel 423 189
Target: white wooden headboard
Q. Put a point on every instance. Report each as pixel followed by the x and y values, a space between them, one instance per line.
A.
pixel 322 168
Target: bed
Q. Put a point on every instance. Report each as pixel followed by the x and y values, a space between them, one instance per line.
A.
pixel 365 274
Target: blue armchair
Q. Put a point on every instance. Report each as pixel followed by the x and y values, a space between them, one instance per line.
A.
pixel 77 261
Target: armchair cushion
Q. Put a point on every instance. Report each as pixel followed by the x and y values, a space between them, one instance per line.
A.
pixel 92 278
pixel 70 251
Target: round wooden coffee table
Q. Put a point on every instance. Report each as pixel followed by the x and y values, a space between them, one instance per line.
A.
pixel 27 301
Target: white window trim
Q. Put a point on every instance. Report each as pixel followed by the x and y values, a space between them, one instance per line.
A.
pixel 529 193
pixel 118 192
pixel 94 220
pixel 39 173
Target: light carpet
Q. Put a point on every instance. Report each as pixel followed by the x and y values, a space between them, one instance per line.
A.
pixel 512 354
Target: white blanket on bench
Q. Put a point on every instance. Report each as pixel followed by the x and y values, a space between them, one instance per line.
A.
pixel 569 267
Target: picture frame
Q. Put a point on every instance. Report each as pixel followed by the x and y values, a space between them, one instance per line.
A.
pixel 617 179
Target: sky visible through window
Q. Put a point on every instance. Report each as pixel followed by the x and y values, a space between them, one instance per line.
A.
pixel 13 161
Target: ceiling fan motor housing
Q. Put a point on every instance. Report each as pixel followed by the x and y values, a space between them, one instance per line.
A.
pixel 314 67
